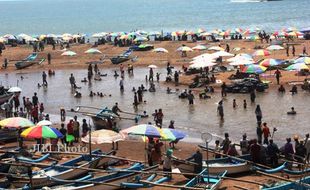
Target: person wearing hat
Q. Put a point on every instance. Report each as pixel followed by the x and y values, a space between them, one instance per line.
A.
pixel 244 145
pixel 197 158
pixel 167 163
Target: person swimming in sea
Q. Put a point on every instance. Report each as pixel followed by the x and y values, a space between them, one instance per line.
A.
pixel 292 112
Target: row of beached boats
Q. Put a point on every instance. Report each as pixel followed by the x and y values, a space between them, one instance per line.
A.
pixel 78 173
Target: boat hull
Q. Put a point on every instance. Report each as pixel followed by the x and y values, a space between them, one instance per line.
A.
pixel 5 97
pixel 100 123
pixel 119 59
pixel 215 166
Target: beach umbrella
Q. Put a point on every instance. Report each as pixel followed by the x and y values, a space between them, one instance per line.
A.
pixel 103 136
pixel 295 34
pixel 305 60
pixel 236 49
pixel 238 30
pixel 16 122
pixel 15 89
pixel 160 50
pixel 200 30
pixel 154 33
pixel 253 38
pixel 241 57
pixel 9 36
pixel 222 54
pixel 206 34
pixel 204 56
pixel 51 36
pixel 261 52
pixel 125 37
pixel 41 132
pixel 184 48
pixel 216 48
pixel 76 36
pixel 68 53
pixel 297 67
pixel 93 51
pixel 147 130
pixel 67 35
pixel 274 47
pixel 97 35
pixel 152 66
pixel 45 123
pixel 199 47
pixel 257 69
pixel 271 62
pixel 190 33
pixel 172 134
pixel 201 64
pixel 141 39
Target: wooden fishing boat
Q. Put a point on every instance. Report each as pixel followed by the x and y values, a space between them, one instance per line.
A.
pixel 67 170
pixel 122 57
pixel 4 95
pixel 202 180
pixel 233 166
pixel 290 185
pixel 30 60
pixel 117 178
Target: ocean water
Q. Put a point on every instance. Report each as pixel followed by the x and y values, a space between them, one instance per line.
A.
pixel 89 16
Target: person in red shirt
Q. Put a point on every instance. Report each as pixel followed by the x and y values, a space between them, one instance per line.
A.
pixel 70 130
pixel 35 114
pixel 266 133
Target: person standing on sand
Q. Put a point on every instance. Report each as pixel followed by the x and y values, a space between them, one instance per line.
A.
pixel 49 58
pixel 278 75
pixel 304 50
pixel 167 163
pixel 225 143
pixel 140 94
pixel 255 151
pixel 197 157
pixel 287 51
pixel 76 129
pixel 293 50
pixel 63 131
pixel 135 100
pixel 176 78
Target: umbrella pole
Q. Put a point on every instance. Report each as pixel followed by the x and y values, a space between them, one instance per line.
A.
pixel 89 140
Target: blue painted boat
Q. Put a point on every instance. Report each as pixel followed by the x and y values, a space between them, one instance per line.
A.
pixel 30 60
pixel 202 180
pixel 290 185
pixel 66 170
pixel 216 166
pixel 116 178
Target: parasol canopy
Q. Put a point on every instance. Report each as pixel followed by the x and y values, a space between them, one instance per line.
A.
pixel 261 52
pixel 41 132
pixel 297 67
pixel 16 122
pixel 271 62
pixel 160 50
pixel 103 136
pixel 256 69
pixel 15 89
pixel 184 48
pixel 68 53
pixel 147 130
pixel 93 51
pixel 172 134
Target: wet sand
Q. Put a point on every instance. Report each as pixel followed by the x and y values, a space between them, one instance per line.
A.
pixel 191 119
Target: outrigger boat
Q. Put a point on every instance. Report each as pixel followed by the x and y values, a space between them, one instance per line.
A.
pixel 104 118
pixel 4 95
pixel 298 185
pixel 205 181
pixel 116 180
pixel 30 60
pixel 216 166
pixel 122 57
pixel 68 170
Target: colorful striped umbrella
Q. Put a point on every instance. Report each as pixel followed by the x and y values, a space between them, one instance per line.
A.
pixel 257 69
pixel 172 134
pixel 305 60
pixel 216 48
pixel 261 52
pixel 16 122
pixel 297 67
pixel 103 136
pixel 143 130
pixel 40 132
pixel 271 62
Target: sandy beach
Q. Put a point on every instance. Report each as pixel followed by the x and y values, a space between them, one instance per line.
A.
pixel 135 149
